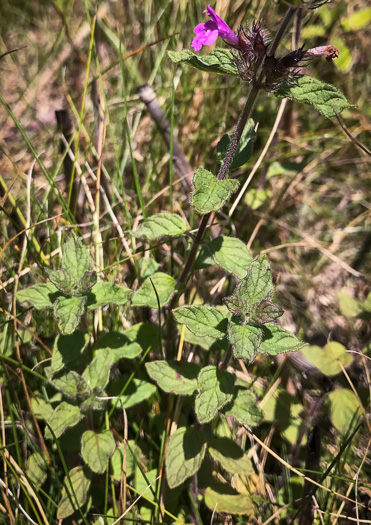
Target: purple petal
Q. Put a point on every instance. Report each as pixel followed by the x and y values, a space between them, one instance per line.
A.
pixel 224 30
pixel 208 32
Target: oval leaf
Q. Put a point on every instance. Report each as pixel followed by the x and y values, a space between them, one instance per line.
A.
pixel 202 320
pixel 217 61
pixel 244 408
pixel 185 452
pixel 328 100
pixel 276 340
pixel 328 359
pixel 40 295
pixel 104 293
pixel 231 457
pixel 231 254
pixel 96 449
pixel 258 284
pixel 63 417
pixel 68 311
pixel 211 194
pixel 75 257
pixel 245 340
pixel 160 225
pixel 222 498
pixel 146 295
pixel 174 376
pixel 343 409
pixel 73 499
pixel 215 389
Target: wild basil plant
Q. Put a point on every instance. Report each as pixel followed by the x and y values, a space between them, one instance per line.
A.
pixel 243 326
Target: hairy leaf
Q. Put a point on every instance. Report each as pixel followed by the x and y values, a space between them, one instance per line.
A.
pixel 276 340
pixel 245 340
pixel 71 500
pixel 75 257
pixel 40 296
pixel 264 312
pixel 244 149
pixel 202 320
pixel 68 311
pixel 146 295
pixel 257 285
pixel 244 408
pixel 215 389
pixel 63 417
pixel 104 293
pixel 327 99
pixel 211 194
pixel 231 457
pixel 231 254
pixel 217 61
pixel 160 225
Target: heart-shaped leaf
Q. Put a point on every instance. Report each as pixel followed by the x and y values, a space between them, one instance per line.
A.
pixel 211 194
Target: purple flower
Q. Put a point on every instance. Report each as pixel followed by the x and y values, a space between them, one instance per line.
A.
pixel 208 32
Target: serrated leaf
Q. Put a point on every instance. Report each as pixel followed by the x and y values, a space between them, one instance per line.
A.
pixel 104 293
pixel 68 350
pixel 276 340
pixel 37 468
pixel 222 498
pixel 244 408
pixel 264 312
pixel 118 346
pixel 132 457
pixel 236 305
pixel 40 296
pixel 211 194
pixel 68 311
pixel 87 281
pixel 344 407
pixel 244 148
pixel 63 280
pixel 258 284
pixel 217 61
pixel 96 449
pixel 71 500
pixel 161 225
pixel 245 339
pixel 63 417
pixel 164 285
pixel 211 344
pixel 173 376
pixel 215 389
pixel 231 254
pixel 98 371
pixel 231 457
pixel 202 320
pixel 185 452
pixel 328 358
pixel 75 258
pixel 327 99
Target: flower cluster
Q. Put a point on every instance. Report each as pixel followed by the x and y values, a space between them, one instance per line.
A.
pixel 251 51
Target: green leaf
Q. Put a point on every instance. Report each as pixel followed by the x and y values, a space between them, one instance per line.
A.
pixel 68 350
pixel 244 149
pixel 173 376
pixel 39 296
pixel 257 285
pixel 118 346
pixel 37 468
pixel 328 359
pixel 185 452
pixel 327 99
pixel 148 266
pixel 68 312
pixel 164 285
pixel 357 20
pixel 215 389
pixel 276 340
pixel 236 305
pixel 231 457
pixel 211 194
pixel 70 383
pixel 132 457
pixel 244 408
pixel 222 498
pixel 264 312
pixel 343 408
pixel 136 392
pixel 104 293
pixel 63 280
pixel 161 225
pixel 71 500
pixel 255 198
pixel 98 371
pixel 231 254
pixel 87 281
pixel 147 335
pixel 349 306
pixel 75 258
pixel 217 61
pixel 208 343
pixel 96 449
pixel 202 320
pixel 245 340
pixel 93 401
pixel 63 417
